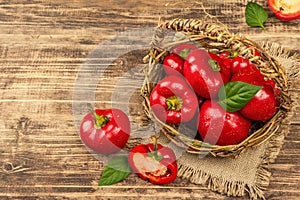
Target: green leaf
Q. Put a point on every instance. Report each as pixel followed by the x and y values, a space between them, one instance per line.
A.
pixel 233 96
pixel 116 170
pixel 256 15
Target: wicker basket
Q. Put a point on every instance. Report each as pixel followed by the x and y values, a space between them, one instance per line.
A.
pixel 214 37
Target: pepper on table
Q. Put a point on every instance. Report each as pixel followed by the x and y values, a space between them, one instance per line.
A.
pixel 153 162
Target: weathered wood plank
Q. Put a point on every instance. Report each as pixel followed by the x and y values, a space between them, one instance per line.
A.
pixel 43 45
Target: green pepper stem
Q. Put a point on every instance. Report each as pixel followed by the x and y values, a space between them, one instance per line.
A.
pixel 155 147
pixel 183 54
pixel 155 155
pixel 214 65
pixel 234 54
pixel 174 103
pixel 100 120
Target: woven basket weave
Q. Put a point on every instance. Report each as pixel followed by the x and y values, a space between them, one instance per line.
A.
pixel 213 37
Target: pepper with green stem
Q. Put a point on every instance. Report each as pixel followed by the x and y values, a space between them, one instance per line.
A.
pixel 105 131
pixel 205 72
pixel 173 101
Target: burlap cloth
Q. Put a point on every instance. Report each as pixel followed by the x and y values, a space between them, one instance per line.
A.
pixel 247 174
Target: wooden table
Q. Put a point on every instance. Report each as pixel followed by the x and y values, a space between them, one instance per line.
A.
pixel 42 47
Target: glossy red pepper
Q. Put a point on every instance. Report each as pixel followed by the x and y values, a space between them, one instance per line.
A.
pixel 217 126
pixel 105 131
pixel 205 72
pixel 154 163
pixel 227 57
pixel 173 101
pixel 240 65
pixel 243 69
pixel 285 10
pixel 262 106
pixel 173 64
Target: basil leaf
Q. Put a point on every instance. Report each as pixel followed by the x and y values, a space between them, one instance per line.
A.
pixel 233 96
pixel 256 15
pixel 116 170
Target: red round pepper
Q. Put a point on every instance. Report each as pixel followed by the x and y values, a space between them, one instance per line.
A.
pixel 173 101
pixel 105 131
pixel 285 10
pixel 173 64
pixel 217 126
pixel 153 162
pixel 242 68
pixel 240 65
pixel 227 57
pixel 262 106
pixel 205 72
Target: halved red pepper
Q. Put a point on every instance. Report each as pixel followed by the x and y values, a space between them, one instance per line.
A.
pixel 173 101
pixel 285 9
pixel 154 163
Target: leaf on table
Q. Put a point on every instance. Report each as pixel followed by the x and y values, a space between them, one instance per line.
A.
pixel 256 15
pixel 116 170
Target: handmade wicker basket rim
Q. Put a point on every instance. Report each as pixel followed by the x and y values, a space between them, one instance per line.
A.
pixel 214 36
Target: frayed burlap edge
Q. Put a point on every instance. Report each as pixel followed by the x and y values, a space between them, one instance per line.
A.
pixel 234 188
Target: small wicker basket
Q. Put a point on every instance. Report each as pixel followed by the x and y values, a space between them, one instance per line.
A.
pixel 213 37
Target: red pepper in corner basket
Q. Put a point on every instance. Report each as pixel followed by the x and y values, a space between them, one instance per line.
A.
pixel 153 162
pixel 173 101
pixel 285 10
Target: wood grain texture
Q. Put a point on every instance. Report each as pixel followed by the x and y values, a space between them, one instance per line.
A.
pixel 42 47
